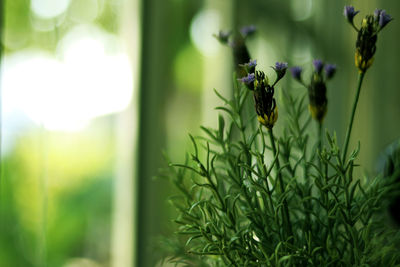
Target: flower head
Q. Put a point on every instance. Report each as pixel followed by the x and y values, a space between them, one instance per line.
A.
pixel 280 66
pixel 280 70
pixel 384 19
pixel 223 36
pixel 316 88
pixel 252 63
pixel 366 43
pixel 250 78
pixel 265 104
pixel 318 102
pixel 296 72
pixel 367 35
pixel 330 70
pixel 248 30
pixel 318 65
pixel 377 13
pixel 350 13
pixel 261 81
pixel 248 68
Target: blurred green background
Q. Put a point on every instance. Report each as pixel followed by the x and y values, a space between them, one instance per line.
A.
pixel 95 92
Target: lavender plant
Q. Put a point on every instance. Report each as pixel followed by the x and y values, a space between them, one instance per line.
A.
pixel 250 197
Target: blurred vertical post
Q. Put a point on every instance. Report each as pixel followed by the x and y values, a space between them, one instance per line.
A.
pixel 2 198
pixel 157 35
pixel 1 113
pixel 124 200
pixel 334 40
pixel 123 237
pixel 218 68
pixel 1 98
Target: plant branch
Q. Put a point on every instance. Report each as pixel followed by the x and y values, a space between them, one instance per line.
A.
pixel 285 215
pixel 353 112
pixel 320 143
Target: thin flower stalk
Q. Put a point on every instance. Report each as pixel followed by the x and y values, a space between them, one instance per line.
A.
pixel 286 215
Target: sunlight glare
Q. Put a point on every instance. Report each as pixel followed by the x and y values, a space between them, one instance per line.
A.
pixel 90 80
pixel 203 26
pixel 48 9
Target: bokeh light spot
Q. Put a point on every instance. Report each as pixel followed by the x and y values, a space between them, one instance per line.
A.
pixel 48 9
pixel 203 26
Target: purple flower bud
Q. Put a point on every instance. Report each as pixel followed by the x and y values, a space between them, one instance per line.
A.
pixel 330 70
pixel 247 30
pixel 296 72
pixel 318 65
pixel 377 13
pixel 248 79
pixel 252 63
pixel 280 69
pixel 280 66
pixel 223 36
pixel 250 66
pixel 384 19
pixel 350 13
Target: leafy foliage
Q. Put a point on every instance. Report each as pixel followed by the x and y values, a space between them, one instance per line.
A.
pixel 231 206
pixel 250 200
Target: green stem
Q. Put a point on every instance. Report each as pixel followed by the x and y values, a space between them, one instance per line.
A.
pixel 285 211
pixel 353 112
pixel 320 143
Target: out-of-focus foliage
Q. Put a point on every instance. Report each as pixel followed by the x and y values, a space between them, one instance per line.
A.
pixel 226 207
pixel 234 210
pixel 56 204
pixel 17 28
pixel 56 188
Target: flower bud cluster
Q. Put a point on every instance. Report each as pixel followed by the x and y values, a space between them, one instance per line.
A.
pixel 318 101
pixel 237 41
pixel 367 36
pixel 263 92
